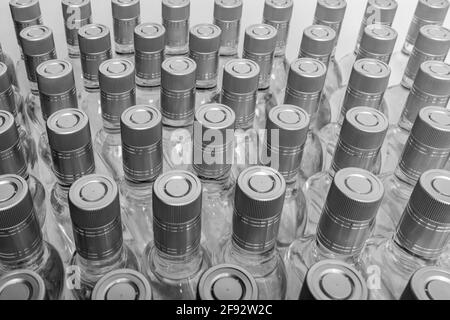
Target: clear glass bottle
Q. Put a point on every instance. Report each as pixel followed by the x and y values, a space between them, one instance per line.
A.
pixel 175 260
pixel 213 147
pixel 95 48
pixel 359 146
pixel 345 224
pixel 445 258
pixel 13 161
pixel 259 46
pixel 177 108
pixel 7 60
pixel 259 198
pixel 118 92
pixel 431 88
pixel 97 231
pixel 333 280
pixel 204 45
pixel 175 18
pixel 428 283
pixel 278 14
pixel 227 282
pixel 13 283
pixel 149 42
pixel 141 131
pixel 304 89
pixel 428 147
pixel 331 13
pixel 318 43
pixel 22 245
pixel 286 133
pixel 420 238
pixel 227 16
pixel 126 17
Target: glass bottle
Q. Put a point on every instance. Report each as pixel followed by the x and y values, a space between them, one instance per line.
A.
pixel 122 284
pixel 13 161
pixel 126 17
pixel 259 198
pixel 204 45
pixel 428 283
pixel 366 88
pixel 213 147
pixel 177 108
pixel 359 146
pixel 227 16
pixel 149 41
pixel 227 282
pixel 175 18
pixel 445 258
pixel 239 92
pixel 175 260
pixel 345 224
pixel 420 238
pixel 22 245
pixel 118 92
pixel 331 13
pixel 318 43
pixel 333 280
pixel 95 48
pixel 259 46
pixel 278 14
pixel 141 131
pixel 286 134
pixel 97 231
pixel 304 89
pixel 7 60
pixel 431 88
pixel 21 285
pixel 428 147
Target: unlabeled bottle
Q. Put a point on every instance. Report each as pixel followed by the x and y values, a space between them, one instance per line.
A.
pixel 126 17
pixel 177 108
pixel 333 280
pixel 7 60
pixel 428 147
pixel 149 42
pixel 420 238
pixel 259 198
pixel 286 132
pixel 359 146
pixel 239 92
pixel 97 231
pixel 428 283
pixel 122 284
pixel 331 13
pixel 259 46
pixel 20 285
pixel 304 89
pixel 204 45
pixel 227 282
pixel 345 224
pixel 118 93
pixel 175 260
pixel 431 88
pixel 22 245
pixel 175 18
pixel 366 88
pixel 141 131
pixel 95 48
pixel 213 147
pixel 13 161
pixel 278 14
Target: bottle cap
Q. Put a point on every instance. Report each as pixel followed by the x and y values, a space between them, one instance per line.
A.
pixel 81 8
pixel 318 43
pixel 37 41
pixel 12 157
pixel 260 39
pixel 7 96
pixel 149 37
pixel 432 10
pixel 424 227
pixel 428 283
pixel 278 10
pixel 349 212
pixel 370 76
pixel 25 10
pixel 433 40
pixel 177 209
pixel 141 131
pixel 125 9
pixel 380 12
pixel 94 38
pixel 333 280
pixel 259 200
pixel 204 38
pixel 22 285
pixel 95 213
pixel 122 284
pixel 227 282
pixel 378 42
pixel 176 10
pixel 228 10
pixel 330 11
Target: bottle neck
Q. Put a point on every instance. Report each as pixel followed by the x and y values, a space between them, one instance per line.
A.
pixel 139 189
pixel 320 252
pixel 111 263
pixel 251 257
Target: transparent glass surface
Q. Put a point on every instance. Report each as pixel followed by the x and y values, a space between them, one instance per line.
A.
pixel 313 156
pixel 265 101
pixel 246 154
pixel 177 147
pixel 395 98
pixel 334 77
pixel 279 76
pixel 398 64
pixel 323 116
pixel 108 146
pixel 91 105
pixel 149 96
pixel 205 96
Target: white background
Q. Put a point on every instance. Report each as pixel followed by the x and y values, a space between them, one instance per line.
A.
pixel 202 11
